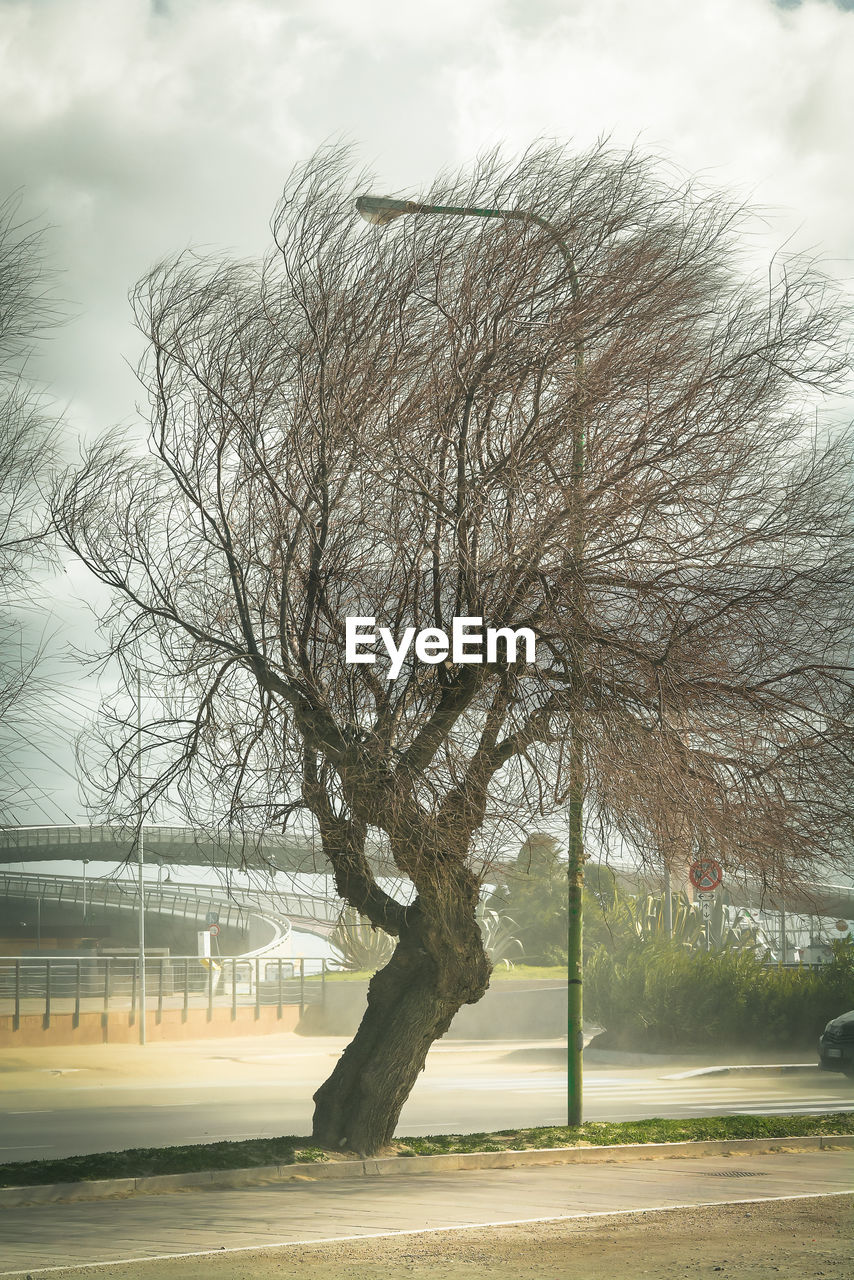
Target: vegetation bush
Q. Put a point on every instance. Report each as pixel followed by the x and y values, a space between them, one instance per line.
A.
pixel 360 948
pixel 535 898
pixel 659 995
pixel 357 945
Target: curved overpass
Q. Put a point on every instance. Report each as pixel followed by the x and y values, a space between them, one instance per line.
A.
pixel 183 846
pixel 187 902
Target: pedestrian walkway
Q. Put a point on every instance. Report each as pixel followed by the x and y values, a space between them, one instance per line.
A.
pixel 35 1239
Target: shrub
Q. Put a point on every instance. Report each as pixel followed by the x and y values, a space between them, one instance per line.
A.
pixel 661 996
pixel 357 945
pixel 536 899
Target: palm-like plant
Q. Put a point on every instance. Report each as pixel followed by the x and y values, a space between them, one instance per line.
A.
pixel 689 927
pixel 359 947
pixel 499 936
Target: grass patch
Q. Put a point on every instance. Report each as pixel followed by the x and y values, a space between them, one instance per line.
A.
pixel 528 972
pixel 499 973
pixel 606 1134
pixel 140 1162
pixel 143 1161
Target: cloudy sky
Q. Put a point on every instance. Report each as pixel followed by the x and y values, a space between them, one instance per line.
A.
pixel 135 128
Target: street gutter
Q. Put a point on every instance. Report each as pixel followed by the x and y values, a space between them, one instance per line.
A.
pixel 123 1188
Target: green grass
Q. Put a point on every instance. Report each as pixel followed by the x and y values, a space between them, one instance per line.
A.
pixel 605 1134
pixel 140 1162
pixel 143 1161
pixel 528 972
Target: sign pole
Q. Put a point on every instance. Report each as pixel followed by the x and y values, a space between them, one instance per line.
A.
pixel 705 875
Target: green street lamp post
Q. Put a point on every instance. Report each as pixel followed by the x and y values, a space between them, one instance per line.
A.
pixel 140 864
pixel 381 210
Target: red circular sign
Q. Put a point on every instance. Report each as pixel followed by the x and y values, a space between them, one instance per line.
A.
pixel 213 930
pixel 705 874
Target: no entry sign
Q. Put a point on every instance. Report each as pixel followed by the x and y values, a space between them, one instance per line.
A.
pixel 705 874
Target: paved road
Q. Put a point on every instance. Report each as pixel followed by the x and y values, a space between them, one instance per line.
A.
pixel 181 1224
pixel 236 1090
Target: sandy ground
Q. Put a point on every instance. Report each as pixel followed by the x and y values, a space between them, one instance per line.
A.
pixel 230 1057
pixel 795 1239
pixel 259 1059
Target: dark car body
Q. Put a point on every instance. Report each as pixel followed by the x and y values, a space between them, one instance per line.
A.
pixel 836 1044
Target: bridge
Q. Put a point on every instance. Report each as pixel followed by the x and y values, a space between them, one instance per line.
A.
pixel 39 989
pixel 269 851
pixel 86 997
pixel 177 846
pixel 186 901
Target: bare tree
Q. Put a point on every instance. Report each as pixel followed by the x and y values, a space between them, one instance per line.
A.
pixel 26 451
pixel 380 425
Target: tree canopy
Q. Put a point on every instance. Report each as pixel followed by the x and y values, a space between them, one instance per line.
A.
pixel 27 439
pixel 383 423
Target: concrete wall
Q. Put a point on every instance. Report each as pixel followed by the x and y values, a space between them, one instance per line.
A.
pixel 514 1011
pixel 520 1010
pixel 119 1027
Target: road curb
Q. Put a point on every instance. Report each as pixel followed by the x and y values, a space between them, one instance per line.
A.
pixel 122 1188
pixel 781 1068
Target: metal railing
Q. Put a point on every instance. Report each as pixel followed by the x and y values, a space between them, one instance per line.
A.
pixel 188 900
pixel 187 845
pixel 105 984
pixel 105 833
pixel 185 901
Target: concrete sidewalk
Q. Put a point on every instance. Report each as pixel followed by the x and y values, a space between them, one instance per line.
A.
pixel 287 1215
pixel 25 1196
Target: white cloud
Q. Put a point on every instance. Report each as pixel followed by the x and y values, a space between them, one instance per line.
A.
pixel 137 128
pixel 757 97
pixel 140 128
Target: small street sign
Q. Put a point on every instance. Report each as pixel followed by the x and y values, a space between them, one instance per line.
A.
pixel 213 930
pixel 212 917
pixel 706 908
pixel 705 874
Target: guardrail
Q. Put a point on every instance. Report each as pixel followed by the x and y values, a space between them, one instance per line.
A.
pixel 14 838
pixel 124 895
pixel 179 845
pixel 108 983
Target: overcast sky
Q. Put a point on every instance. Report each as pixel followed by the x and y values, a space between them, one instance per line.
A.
pixel 138 127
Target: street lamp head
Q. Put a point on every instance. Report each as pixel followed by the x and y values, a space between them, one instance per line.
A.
pixel 381 209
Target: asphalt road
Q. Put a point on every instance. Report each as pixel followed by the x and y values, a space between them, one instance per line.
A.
pixel 77 1101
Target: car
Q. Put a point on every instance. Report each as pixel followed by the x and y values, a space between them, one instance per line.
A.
pixel 836 1044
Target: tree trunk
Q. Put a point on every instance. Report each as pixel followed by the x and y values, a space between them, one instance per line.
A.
pixel 411 1003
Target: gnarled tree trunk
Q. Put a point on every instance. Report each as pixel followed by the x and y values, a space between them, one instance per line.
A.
pixel 434 971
